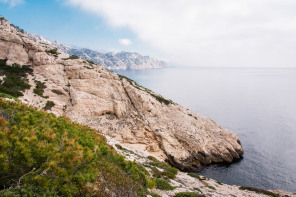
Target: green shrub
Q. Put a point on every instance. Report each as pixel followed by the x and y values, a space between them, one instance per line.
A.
pixel 49 105
pixel 53 52
pixel 162 174
pixel 197 176
pixel 15 80
pixel 39 89
pixel 188 194
pixel 168 173
pixel 73 57
pixel 211 187
pixel 119 147
pixel 58 92
pixel 91 62
pixel 3 95
pixel 196 188
pixel 154 195
pixel 163 185
pixel 42 155
pixel 259 191
pixel 29 191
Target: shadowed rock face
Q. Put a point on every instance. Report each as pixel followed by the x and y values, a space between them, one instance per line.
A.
pixel 118 107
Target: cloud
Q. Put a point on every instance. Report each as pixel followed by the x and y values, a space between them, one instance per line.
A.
pixel 12 3
pixel 214 33
pixel 125 41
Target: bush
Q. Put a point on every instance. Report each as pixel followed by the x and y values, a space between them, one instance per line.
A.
pixel 73 57
pixel 188 194
pixel 15 80
pixel 49 105
pixel 196 176
pixel 168 173
pixel 53 52
pixel 3 95
pixel 259 191
pixel 42 155
pixel 91 62
pixel 163 185
pixel 196 188
pixel 39 89
pixel 58 92
pixel 211 187
pixel 154 195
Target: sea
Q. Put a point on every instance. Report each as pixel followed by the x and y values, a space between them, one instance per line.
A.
pixel 257 104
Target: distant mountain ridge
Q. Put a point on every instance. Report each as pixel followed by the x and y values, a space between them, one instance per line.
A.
pixel 122 60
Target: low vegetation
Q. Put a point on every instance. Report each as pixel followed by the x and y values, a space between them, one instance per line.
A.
pixel 91 62
pixel 124 149
pixel 53 52
pixel 211 187
pixel 197 189
pixel 259 191
pixel 58 92
pixel 159 98
pixel 39 88
pixel 71 57
pixel 15 80
pixel 188 194
pixel 3 95
pixel 49 105
pixel 42 155
pixel 197 176
pixel 168 171
pixel 154 195
pixel 163 184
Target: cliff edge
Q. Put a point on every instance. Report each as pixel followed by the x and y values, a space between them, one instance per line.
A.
pixel 88 93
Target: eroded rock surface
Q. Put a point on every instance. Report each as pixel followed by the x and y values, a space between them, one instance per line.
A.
pixel 117 106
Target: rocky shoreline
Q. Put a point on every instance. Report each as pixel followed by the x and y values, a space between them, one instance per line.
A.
pixel 128 114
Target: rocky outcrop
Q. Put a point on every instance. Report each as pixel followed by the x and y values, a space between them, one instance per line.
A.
pixel 88 93
pixel 113 61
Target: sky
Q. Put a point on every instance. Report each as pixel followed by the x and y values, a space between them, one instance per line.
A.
pixel 213 33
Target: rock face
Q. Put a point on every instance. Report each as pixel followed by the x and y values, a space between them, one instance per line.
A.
pixel 118 107
pixel 121 60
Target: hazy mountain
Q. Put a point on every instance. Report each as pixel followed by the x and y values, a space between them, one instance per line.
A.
pixel 110 60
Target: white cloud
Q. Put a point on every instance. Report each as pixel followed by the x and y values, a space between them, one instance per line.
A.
pixel 12 2
pixel 125 41
pixel 214 33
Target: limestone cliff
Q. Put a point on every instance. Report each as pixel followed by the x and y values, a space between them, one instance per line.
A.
pixel 117 106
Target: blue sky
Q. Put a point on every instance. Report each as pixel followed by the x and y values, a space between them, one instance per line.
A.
pixel 57 20
pixel 228 33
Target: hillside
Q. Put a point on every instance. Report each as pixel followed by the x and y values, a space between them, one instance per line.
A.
pixel 39 151
pixel 136 121
pixel 114 61
pixel 89 94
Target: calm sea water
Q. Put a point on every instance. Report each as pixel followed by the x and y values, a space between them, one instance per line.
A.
pixel 259 105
